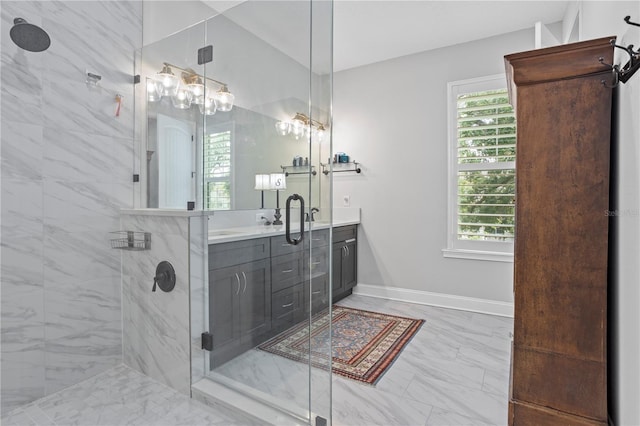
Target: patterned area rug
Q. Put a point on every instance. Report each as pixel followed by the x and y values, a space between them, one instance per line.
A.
pixel 365 343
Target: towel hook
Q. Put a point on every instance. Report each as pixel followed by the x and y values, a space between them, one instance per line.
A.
pixel 627 19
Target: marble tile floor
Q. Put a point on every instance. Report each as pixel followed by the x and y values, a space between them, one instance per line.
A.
pixel 454 371
pixel 120 396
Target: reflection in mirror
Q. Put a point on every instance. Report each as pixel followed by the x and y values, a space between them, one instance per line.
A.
pixel 217 168
pixel 199 150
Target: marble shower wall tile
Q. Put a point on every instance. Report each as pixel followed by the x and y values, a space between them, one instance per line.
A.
pixel 198 227
pixel 156 324
pixel 21 146
pixel 22 339
pixel 66 165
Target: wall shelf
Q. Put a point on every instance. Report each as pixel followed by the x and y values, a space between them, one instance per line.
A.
pixel 131 240
pixel 299 170
pixel 351 166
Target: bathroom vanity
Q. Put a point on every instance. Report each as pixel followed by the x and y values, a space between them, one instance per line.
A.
pixel 259 285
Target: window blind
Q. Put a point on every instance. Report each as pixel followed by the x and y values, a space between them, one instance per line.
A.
pixel 217 171
pixel 486 148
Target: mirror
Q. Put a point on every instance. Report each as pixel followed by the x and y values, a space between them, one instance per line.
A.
pixel 214 159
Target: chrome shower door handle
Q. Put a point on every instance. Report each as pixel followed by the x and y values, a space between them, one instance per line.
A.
pixel 294 241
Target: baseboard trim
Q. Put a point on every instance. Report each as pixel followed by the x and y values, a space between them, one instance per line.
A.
pixel 483 306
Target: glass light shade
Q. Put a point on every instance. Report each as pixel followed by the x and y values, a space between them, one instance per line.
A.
pixel 262 182
pixel 224 99
pixel 321 132
pixel 298 128
pixel 277 181
pixel 208 107
pixel 182 98
pixel 196 86
pixel 283 128
pixel 152 91
pixel 166 82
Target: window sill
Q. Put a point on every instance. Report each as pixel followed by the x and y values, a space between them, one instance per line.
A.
pixel 492 256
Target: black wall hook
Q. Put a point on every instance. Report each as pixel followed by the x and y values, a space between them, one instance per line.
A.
pixel 622 74
pixel 627 19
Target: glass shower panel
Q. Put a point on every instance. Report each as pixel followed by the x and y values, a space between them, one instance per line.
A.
pixel 171 126
pixel 266 312
pixel 320 271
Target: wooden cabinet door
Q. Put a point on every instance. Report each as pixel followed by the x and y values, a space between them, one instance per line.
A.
pixel 338 254
pixel 349 264
pixel 255 298
pixel 224 288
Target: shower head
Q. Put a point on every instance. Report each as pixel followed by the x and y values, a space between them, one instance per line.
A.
pixel 28 36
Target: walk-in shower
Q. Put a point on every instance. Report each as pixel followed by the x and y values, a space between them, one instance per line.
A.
pixel 211 103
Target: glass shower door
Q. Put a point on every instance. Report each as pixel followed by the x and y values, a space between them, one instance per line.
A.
pixel 269 285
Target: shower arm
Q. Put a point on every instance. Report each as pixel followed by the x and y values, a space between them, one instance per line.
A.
pixel 191 73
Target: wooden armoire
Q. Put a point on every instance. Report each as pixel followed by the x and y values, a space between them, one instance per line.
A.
pixel 559 353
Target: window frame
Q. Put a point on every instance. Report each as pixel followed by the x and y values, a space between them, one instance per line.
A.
pixel 501 251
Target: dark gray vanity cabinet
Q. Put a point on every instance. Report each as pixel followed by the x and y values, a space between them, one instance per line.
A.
pixel 239 297
pixel 345 261
pixel 260 287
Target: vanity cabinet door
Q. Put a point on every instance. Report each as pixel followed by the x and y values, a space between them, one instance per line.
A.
pixel 255 299
pixel 239 308
pixel 338 254
pixel 224 309
pixel 349 265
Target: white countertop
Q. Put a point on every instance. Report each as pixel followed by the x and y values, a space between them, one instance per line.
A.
pixel 259 231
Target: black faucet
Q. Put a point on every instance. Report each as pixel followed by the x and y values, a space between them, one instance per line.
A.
pixel 314 210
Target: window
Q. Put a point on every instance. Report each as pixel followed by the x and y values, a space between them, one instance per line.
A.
pixel 217 171
pixel 482 139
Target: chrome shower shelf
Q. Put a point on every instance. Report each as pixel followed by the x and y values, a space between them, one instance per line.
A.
pixel 131 240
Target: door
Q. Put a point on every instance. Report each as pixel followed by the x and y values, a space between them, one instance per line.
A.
pixel 349 261
pixel 255 300
pixel 224 313
pixel 280 299
pixel 176 156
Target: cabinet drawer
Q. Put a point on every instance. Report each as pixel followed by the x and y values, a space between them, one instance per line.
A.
pixel 286 271
pixel 237 252
pixel 319 262
pixel 319 238
pixel 285 301
pixel 344 233
pixel 287 307
pixel 279 245
pixel 319 294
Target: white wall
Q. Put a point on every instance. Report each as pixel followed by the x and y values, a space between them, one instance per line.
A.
pixel 601 19
pixel 392 117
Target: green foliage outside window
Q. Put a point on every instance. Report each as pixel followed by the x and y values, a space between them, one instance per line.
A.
pixel 486 160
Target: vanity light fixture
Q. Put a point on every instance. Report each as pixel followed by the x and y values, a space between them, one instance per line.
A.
pixel 189 89
pixel 277 182
pixel 300 126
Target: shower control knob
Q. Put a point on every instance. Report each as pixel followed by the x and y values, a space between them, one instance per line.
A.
pixel 165 277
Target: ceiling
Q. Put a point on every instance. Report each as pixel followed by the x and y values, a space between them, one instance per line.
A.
pixel 372 31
